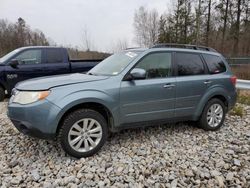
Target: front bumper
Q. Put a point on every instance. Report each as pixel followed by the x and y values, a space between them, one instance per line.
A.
pixel 37 119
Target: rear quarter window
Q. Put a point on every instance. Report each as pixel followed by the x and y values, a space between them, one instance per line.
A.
pixel 215 64
pixel 54 56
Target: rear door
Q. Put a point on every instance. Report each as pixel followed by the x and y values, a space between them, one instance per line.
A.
pixel 30 65
pixel 55 63
pixel 152 98
pixel 192 82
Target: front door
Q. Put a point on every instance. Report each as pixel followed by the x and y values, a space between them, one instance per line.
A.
pixel 29 66
pixel 152 98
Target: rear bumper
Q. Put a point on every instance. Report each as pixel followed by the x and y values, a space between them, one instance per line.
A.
pixel 37 119
pixel 232 101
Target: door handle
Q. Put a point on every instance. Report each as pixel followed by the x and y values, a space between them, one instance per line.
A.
pixel 169 85
pixel 207 82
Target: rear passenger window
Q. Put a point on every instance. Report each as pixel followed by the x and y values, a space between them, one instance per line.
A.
pixel 189 64
pixel 54 56
pixel 214 63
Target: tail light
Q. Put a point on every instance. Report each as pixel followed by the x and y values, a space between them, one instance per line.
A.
pixel 233 80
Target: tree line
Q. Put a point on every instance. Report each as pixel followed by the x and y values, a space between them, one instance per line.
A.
pixel 220 24
pixel 19 34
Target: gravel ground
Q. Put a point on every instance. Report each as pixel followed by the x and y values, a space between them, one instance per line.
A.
pixel 161 156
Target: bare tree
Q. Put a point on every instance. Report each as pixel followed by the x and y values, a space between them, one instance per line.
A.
pixel 237 29
pixel 225 18
pixel 87 41
pixel 14 35
pixel 120 45
pixel 146 25
pixel 198 22
pixel 208 22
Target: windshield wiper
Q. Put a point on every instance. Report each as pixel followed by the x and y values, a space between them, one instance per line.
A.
pixel 98 74
pixel 91 73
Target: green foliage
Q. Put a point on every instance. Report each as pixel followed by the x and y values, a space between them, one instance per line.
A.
pixel 211 23
pixel 243 98
pixel 238 110
pixel 177 27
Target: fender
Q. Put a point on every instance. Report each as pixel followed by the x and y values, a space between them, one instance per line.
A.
pixel 216 90
pixel 85 96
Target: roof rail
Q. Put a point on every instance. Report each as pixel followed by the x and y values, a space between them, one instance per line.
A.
pixel 187 46
pixel 131 48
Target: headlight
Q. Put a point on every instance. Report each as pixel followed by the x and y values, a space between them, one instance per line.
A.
pixel 27 97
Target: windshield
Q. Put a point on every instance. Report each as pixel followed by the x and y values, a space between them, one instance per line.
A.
pixel 7 56
pixel 114 64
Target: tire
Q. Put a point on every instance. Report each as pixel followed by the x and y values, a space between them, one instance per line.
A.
pixel 2 94
pixel 211 120
pixel 86 141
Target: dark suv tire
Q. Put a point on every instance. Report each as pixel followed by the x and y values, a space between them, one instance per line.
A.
pixel 213 115
pixel 83 133
pixel 2 94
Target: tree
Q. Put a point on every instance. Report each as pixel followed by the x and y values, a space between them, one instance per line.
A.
pixel 237 29
pixel 86 40
pixel 14 35
pixel 225 17
pixel 21 29
pixel 146 27
pixel 222 24
pixel 178 27
pixel 246 28
pixel 208 22
pixel 162 30
pixel 198 22
pixel 120 45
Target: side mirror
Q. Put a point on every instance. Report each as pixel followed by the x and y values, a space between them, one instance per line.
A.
pixel 136 74
pixel 14 63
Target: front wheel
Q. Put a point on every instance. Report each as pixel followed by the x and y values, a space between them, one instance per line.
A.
pixel 83 133
pixel 213 115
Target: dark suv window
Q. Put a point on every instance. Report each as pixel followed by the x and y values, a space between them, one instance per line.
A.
pixel 214 63
pixel 189 64
pixel 156 65
pixel 54 56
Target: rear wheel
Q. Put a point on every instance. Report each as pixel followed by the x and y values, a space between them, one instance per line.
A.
pixel 213 115
pixel 2 94
pixel 83 133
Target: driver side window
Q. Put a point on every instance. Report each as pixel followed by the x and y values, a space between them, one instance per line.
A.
pixel 29 57
pixel 156 65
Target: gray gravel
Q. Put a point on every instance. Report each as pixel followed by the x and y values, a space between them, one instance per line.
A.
pixel 161 156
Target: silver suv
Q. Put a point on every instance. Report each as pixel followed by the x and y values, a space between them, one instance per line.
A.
pixel 136 87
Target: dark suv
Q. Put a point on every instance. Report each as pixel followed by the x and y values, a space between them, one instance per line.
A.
pixel 132 88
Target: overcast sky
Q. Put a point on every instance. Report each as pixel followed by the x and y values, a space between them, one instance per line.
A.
pixel 106 21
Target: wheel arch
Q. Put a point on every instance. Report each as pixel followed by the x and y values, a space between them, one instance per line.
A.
pixel 219 93
pixel 97 106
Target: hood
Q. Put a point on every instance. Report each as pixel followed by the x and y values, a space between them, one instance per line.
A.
pixel 45 83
